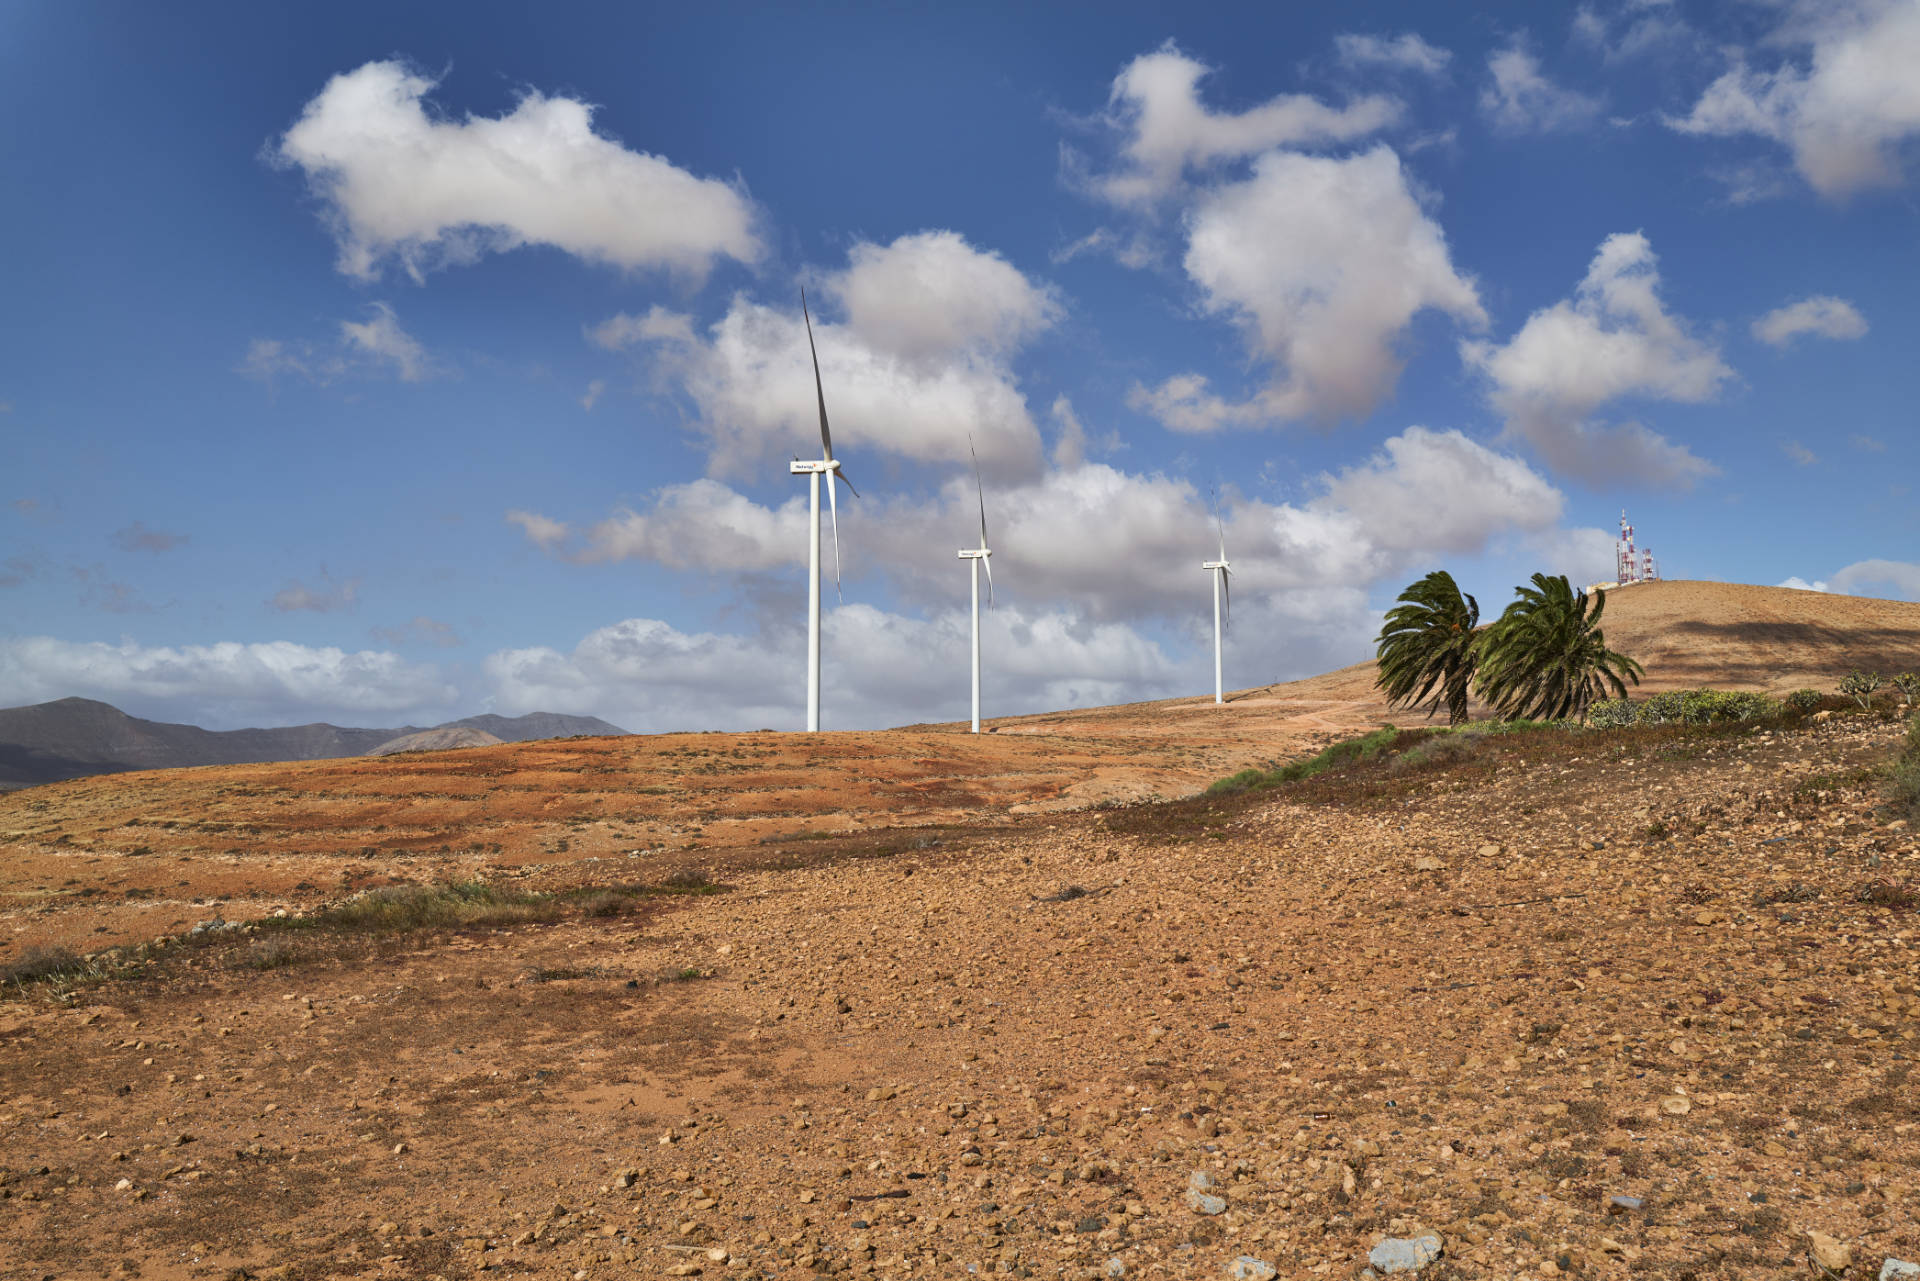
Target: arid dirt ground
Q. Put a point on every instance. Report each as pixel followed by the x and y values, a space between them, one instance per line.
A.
pixel 959 1013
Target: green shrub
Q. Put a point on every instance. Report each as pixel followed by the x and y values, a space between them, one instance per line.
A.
pixel 1705 707
pixel 1612 713
pixel 1909 686
pixel 1803 700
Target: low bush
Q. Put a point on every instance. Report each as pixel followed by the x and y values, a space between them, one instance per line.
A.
pixel 1705 707
pixel 1612 713
pixel 38 964
pixel 1908 685
pixel 1803 701
pixel 1903 777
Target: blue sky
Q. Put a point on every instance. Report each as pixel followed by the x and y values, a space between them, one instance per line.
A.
pixel 390 363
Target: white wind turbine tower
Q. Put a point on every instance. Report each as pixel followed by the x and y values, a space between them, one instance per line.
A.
pixel 1221 571
pixel 828 466
pixel 979 556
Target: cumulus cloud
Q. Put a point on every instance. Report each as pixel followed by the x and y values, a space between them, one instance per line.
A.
pixel 326 597
pixel 1638 28
pixel 1156 105
pixel 1584 555
pixel 880 669
pixel 1519 98
pixel 1799 453
pixel 398 182
pixel 1614 338
pixel 1322 263
pixel 928 295
pixel 595 389
pixel 138 538
pixel 1404 52
pixel 1897 579
pixel 224 684
pixel 908 374
pixel 1823 317
pixel 1125 547
pixel 1845 103
pixel 381 339
pixel 1799 584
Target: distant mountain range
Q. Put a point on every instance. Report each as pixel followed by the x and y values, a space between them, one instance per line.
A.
pixel 72 737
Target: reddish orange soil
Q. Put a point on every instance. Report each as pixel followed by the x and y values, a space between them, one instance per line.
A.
pixel 954 1018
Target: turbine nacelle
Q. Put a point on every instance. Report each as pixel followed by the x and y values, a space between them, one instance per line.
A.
pixel 975 553
pixel 1216 564
pixel 822 466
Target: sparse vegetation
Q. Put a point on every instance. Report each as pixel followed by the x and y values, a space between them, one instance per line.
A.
pixel 1803 701
pixel 1344 752
pixel 1908 686
pixel 1861 687
pixel 1684 707
pixel 1903 776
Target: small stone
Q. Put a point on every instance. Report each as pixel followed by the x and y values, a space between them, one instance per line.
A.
pixel 1676 1105
pixel 399 1149
pixel 1248 1268
pixel 806 1197
pixel 626 1178
pixel 125 1185
pixel 1116 1268
pixel 1405 1254
pixel 718 1255
pixel 1834 1256
pixel 1425 863
pixel 1623 1204
pixel 1899 1270
pixel 1205 1203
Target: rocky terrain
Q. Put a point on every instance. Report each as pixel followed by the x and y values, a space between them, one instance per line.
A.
pixel 1626 1003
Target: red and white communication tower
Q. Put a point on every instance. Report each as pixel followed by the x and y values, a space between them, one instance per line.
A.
pixel 1631 565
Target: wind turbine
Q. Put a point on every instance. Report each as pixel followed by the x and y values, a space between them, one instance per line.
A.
pixel 829 466
pixel 1222 574
pixel 979 556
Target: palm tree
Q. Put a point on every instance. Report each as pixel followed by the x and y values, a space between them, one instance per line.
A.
pixel 1546 658
pixel 1427 647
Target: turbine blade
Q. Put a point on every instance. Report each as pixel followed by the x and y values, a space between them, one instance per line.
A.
pixel 980 489
pixel 833 507
pixel 988 562
pixel 1221 522
pixel 841 475
pixel 826 437
pixel 1226 598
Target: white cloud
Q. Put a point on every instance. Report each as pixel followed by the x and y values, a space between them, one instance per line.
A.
pixel 1126 547
pixel 595 389
pixel 1845 111
pixel 1404 52
pixel 1156 103
pixel 1635 29
pixel 1584 555
pixel 229 683
pixel 545 534
pixel 1867 444
pixel 400 183
pixel 1897 579
pixel 1824 317
pixel 880 669
pixel 1799 453
pixel 914 385
pixel 1132 250
pixel 1322 263
pixel 1614 338
pixel 1799 584
pixel 928 295
pixel 326 598
pixel 381 339
pixel 700 525
pixel 1520 99
pixel 378 342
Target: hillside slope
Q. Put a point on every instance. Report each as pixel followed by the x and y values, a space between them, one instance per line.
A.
pixel 75 737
